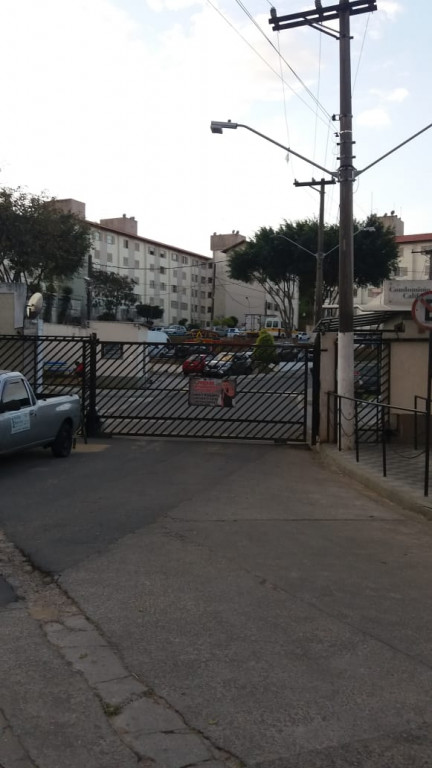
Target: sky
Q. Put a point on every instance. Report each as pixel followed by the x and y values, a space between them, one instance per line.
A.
pixel 110 102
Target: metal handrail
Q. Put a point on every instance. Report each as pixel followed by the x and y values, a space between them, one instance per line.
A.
pixel 381 423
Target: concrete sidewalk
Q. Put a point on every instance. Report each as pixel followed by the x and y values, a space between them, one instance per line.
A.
pixel 404 482
pixel 271 613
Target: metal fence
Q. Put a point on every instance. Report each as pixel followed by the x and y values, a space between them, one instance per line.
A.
pixel 131 388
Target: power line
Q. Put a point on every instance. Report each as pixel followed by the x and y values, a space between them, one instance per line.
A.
pixel 293 72
pixel 269 65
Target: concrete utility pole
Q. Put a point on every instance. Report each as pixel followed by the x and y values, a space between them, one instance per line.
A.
pixel 347 173
pixel 319 278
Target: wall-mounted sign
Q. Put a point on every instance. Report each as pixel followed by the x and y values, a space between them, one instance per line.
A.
pixel 422 310
pixel 403 292
pixel 212 392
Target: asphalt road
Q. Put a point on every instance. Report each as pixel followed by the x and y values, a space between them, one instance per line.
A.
pixel 284 612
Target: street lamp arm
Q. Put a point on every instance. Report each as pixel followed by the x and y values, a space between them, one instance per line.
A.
pixel 296 244
pixel 217 127
pixel 414 136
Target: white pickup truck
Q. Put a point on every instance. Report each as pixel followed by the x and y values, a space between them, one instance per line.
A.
pixel 28 422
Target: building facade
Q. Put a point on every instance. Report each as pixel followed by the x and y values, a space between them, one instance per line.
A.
pixel 248 302
pixel 178 281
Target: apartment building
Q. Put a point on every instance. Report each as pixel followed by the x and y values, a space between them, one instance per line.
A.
pixel 249 302
pixel 178 281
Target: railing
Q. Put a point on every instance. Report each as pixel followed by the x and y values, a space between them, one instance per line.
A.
pixel 376 423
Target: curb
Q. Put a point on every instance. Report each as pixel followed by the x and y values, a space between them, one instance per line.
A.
pixel 153 730
pixel 381 485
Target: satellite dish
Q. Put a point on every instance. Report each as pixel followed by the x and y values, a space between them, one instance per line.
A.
pixel 34 305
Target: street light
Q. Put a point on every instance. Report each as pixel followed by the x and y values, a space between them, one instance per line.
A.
pixel 320 256
pixel 345 175
pixel 216 126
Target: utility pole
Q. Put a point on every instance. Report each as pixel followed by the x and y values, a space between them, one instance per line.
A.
pixel 316 19
pixel 319 278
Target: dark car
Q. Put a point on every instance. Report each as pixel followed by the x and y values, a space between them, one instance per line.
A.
pixel 186 350
pixel 367 378
pixel 229 364
pixel 195 364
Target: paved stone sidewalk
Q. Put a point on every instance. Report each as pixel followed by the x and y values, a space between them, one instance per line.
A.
pixel 69 701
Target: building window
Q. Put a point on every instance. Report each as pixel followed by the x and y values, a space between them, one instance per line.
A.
pixel 210 266
pixel 96 235
pixel 162 254
pixel 174 288
pixel 109 257
pixel 174 305
pixel 151 267
pixel 125 261
pixel 210 280
pixel 136 264
pixel 203 279
pixel 203 294
pixel 96 254
pixel 183 275
pixel 110 239
pixel 194 278
pixel 401 271
pixel 125 243
pixel 162 303
pixel 209 295
pixel 202 309
pixel 174 257
pixel 151 250
pixel 162 270
pixel 152 284
pixel 185 260
pixel 183 305
pixel 163 286
pixel 112 350
pixel 209 309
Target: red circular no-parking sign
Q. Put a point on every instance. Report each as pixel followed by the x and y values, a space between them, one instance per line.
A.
pixel 421 310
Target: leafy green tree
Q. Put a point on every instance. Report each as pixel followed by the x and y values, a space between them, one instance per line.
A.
pixel 149 312
pixel 227 322
pixel 279 261
pixel 38 241
pixel 264 353
pixel 113 290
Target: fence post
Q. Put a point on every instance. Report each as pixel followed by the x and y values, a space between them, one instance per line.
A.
pixel 315 387
pixel 357 438
pixel 93 425
pixel 383 438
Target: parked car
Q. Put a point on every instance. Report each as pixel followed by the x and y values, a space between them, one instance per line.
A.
pixel 233 332
pixel 229 364
pixel 367 378
pixel 176 330
pixel 301 336
pixel 221 330
pixel 28 422
pixel 195 364
pixel 186 350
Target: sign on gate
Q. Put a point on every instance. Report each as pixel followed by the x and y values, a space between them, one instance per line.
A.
pixel 211 392
pixel 422 310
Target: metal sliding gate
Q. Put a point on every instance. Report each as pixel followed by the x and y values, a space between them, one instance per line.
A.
pixel 131 388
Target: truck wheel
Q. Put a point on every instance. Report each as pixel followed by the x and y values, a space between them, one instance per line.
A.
pixel 62 444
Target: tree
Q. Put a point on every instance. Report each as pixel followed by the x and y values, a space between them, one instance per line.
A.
pixel 149 312
pixel 227 322
pixel 114 290
pixel 264 353
pixel 283 266
pixel 38 241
